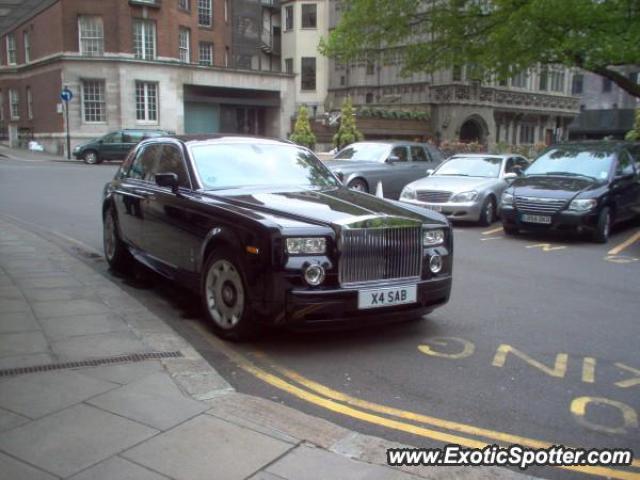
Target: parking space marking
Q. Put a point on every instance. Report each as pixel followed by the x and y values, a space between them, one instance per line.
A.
pixel 629 416
pixel 546 247
pixel 559 367
pixel 629 382
pixel 491 238
pixel 621 259
pixel 492 231
pixel 626 244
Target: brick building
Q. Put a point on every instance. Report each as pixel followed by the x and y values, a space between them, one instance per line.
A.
pixel 166 64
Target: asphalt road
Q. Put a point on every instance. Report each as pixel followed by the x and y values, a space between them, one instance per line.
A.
pixel 540 339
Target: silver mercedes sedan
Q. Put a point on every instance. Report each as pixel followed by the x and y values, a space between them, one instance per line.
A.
pixel 466 186
pixel 391 164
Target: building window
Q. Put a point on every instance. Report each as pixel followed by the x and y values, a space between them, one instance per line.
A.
pixel 204 13
pixel 577 84
pixel 308 73
pixel 27 47
pixel 309 15
pixel 184 5
pixel 91 35
pixel 93 101
pixel 456 73
pixel 370 68
pixel 14 104
pixel 520 80
pixel 11 49
pixel 606 85
pixel 557 80
pixel 226 56
pixel 544 79
pixel 184 45
pixel 343 81
pixel 368 98
pixel 527 133
pixel 29 104
pixel 147 102
pixel 226 11
pixel 144 39
pixel 288 18
pixel 288 65
pixel 206 53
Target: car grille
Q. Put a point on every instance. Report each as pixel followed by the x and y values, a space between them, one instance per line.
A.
pixel 373 254
pixel 539 205
pixel 432 196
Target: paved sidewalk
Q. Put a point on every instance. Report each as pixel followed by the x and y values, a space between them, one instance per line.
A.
pixel 26 155
pixel 94 386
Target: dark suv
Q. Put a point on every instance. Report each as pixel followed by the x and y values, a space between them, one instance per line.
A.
pixel 574 186
pixel 114 145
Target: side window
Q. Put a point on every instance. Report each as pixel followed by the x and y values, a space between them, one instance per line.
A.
pixel 171 161
pixel 144 163
pixel 508 168
pixel 418 154
pixel 115 137
pixel 123 172
pixel 435 154
pixel 625 164
pixel 132 136
pixel 401 153
pixel 523 163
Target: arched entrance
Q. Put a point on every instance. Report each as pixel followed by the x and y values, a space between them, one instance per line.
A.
pixel 471 131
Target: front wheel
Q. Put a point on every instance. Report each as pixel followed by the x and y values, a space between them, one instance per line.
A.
pixel 488 212
pixel 224 297
pixel 90 157
pixel 603 228
pixel 115 251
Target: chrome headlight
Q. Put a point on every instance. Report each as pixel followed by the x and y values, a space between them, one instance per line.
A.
pixel 507 198
pixel 306 246
pixel 408 193
pixel 464 196
pixel 431 238
pixel 582 204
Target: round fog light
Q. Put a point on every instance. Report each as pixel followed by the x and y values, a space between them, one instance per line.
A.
pixel 314 275
pixel 435 263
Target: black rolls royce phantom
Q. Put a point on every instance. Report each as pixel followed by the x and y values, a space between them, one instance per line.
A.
pixel 267 234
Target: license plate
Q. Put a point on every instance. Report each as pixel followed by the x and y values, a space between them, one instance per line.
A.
pixel 386 297
pixel 435 208
pixel 544 219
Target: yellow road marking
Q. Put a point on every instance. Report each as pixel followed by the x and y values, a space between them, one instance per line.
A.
pixel 629 415
pixel 627 243
pixel 546 247
pixel 492 231
pixel 332 405
pixel 589 370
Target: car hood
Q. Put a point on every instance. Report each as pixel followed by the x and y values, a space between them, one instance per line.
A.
pixel 331 207
pixel 350 165
pixel 550 186
pixel 453 184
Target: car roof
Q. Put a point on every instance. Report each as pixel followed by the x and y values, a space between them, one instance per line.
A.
pixel 220 138
pixel 390 142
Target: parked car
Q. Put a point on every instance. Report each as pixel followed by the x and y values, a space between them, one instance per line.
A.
pixel 467 186
pixel 267 234
pixel 362 165
pixel 585 187
pixel 114 145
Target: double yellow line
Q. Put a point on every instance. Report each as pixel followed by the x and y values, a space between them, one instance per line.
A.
pixel 310 391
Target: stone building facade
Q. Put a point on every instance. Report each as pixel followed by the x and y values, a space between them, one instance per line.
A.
pixel 165 64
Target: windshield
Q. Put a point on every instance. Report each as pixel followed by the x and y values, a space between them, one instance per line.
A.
pixel 573 162
pixel 240 165
pixel 364 152
pixel 488 167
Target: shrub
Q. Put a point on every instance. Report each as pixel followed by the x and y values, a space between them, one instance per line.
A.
pixel 347 132
pixel 302 134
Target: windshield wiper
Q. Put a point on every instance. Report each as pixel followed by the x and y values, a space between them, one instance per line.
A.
pixel 570 174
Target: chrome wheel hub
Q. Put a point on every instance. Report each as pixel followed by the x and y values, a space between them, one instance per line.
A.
pixel 224 294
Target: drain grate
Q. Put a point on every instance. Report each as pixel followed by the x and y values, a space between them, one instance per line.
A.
pixel 96 362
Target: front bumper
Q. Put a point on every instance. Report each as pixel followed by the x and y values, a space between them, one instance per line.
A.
pixel 468 211
pixel 311 309
pixel 562 220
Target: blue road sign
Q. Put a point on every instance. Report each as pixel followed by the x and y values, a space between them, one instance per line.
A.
pixel 66 94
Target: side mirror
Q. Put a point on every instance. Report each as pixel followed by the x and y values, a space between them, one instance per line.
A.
pixel 393 159
pixel 167 180
pixel 509 177
pixel 430 171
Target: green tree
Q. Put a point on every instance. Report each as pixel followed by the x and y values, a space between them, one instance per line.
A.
pixel 633 135
pixel 497 37
pixel 302 133
pixel 348 131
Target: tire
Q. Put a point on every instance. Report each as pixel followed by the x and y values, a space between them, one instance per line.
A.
pixel 488 212
pixel 359 185
pixel 115 251
pixel 224 297
pixel 603 228
pixel 90 157
pixel 510 229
